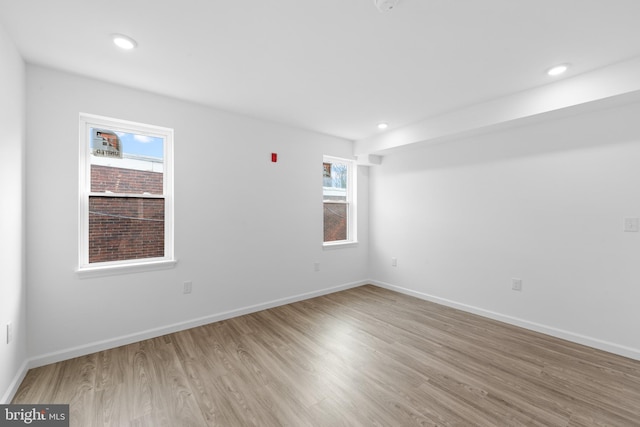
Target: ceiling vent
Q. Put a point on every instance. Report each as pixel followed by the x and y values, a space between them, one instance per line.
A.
pixel 385 5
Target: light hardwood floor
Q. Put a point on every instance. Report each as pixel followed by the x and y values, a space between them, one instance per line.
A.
pixel 365 356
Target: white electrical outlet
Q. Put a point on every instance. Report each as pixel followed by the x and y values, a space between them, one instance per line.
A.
pixel 316 266
pixel 394 262
pixel 632 224
pixel 187 288
pixel 516 284
pixel 9 332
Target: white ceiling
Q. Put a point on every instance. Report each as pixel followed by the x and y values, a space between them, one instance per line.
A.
pixel 333 66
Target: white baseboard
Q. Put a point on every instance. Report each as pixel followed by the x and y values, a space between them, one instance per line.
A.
pixel 13 386
pixel 610 347
pixel 156 332
pixel 83 350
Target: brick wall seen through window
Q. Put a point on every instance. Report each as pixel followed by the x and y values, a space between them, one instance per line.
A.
pixel 126 188
pixel 122 228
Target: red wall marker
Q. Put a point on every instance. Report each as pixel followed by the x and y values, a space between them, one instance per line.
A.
pixel 274 157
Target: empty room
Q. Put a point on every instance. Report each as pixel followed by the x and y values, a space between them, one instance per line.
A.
pixel 320 213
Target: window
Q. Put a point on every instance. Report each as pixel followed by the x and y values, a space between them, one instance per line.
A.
pixel 338 189
pixel 126 200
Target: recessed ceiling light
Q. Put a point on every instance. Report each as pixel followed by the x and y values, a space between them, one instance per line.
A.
pixel 124 42
pixel 382 125
pixel 558 69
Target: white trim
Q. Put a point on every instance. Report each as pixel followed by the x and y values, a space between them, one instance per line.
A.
pixel 621 350
pixel 351 202
pixel 15 383
pixel 87 121
pixel 83 350
pixel 339 244
pixel 111 269
pixel 124 195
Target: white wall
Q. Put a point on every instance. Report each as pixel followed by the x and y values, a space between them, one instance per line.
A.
pixel 544 203
pixel 12 277
pixel 247 231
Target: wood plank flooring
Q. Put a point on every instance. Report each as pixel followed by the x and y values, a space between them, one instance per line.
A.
pixel 362 357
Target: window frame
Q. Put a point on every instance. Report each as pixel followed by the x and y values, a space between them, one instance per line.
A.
pixel 85 268
pixel 352 212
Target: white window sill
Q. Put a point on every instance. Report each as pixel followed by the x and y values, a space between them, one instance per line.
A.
pixel 109 270
pixel 339 245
